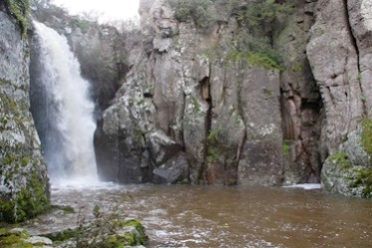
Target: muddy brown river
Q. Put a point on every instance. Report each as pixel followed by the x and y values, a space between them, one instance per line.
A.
pixel 202 216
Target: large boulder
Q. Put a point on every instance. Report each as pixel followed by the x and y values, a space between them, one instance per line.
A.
pixel 349 170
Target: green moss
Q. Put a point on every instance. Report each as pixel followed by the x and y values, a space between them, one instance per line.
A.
pixel 213 154
pixel 20 9
pixel 340 158
pixel 66 209
pixel 120 240
pixel 286 146
pixel 297 67
pixel 263 59
pixel 197 11
pixel 363 178
pixel 267 59
pixel 82 24
pixel 367 135
pixel 196 105
pixel 64 234
pixel 267 92
pixel 28 201
pixel 9 239
pixel 260 15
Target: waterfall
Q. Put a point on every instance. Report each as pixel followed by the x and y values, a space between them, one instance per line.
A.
pixel 62 108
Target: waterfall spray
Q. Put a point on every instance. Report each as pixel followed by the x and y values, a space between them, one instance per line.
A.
pixel 65 120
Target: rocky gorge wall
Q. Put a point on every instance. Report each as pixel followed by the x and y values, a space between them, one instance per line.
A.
pixel 24 183
pixel 182 101
pixel 192 109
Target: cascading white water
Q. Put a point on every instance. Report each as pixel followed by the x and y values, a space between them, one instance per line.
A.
pixel 68 107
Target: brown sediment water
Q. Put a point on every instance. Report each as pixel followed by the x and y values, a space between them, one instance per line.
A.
pixel 203 216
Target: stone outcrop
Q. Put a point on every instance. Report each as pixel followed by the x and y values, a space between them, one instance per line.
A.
pixel 339 52
pixel 24 183
pixel 348 171
pixel 333 56
pixel 221 114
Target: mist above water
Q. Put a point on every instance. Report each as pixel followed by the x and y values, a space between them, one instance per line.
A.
pixel 63 110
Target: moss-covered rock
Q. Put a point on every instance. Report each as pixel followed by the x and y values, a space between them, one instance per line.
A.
pixel 24 183
pixel 19 238
pixel 340 176
pixel 103 232
pixel 20 9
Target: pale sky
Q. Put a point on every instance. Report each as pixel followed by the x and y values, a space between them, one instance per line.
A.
pixel 111 9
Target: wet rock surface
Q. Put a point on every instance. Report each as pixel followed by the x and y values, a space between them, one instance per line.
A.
pixel 24 183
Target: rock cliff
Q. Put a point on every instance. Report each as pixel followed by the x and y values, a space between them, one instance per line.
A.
pixel 206 104
pixel 219 92
pixel 216 110
pixel 24 184
pixel 340 53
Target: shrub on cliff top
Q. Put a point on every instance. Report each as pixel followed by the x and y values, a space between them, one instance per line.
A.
pixel 196 10
pixel 19 9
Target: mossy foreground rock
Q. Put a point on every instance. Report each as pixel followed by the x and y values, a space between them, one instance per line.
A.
pixel 349 170
pixel 24 186
pixel 102 233
pixel 19 238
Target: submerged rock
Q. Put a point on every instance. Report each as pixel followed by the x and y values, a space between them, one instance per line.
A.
pixel 102 232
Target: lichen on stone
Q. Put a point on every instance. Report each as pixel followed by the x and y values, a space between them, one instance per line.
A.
pixel 23 181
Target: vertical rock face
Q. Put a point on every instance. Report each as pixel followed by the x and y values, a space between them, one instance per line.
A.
pixel 24 183
pixel 340 51
pixel 334 59
pixel 301 103
pixel 360 21
pixel 221 114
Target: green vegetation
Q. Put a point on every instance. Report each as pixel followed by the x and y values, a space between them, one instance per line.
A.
pixel 213 153
pixel 196 105
pixel 355 176
pixel 196 10
pixel 64 234
pixel 80 23
pixel 66 209
pixel 260 16
pixel 11 239
pixel 267 57
pixel 367 135
pixel 20 9
pixel 363 177
pixel 258 21
pixel 21 201
pixel 340 158
pixel 286 146
pixel 28 201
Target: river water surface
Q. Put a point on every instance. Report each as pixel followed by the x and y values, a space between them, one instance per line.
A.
pixel 196 216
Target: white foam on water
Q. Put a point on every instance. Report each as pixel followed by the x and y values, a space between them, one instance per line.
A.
pixel 305 186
